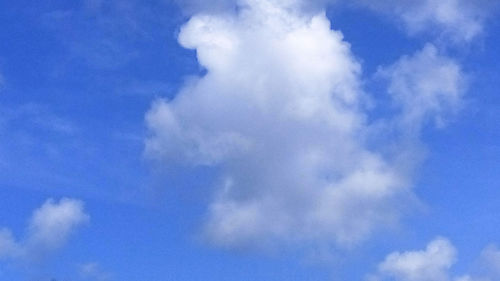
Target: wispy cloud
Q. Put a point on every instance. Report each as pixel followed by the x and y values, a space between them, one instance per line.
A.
pixel 37 117
pixel 103 34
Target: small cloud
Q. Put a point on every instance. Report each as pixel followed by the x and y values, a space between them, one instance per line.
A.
pixel 426 85
pixel 431 264
pixel 489 262
pixel 49 229
pixel 457 21
pixel 434 263
pixel 456 18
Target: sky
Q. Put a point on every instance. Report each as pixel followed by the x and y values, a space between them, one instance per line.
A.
pixel 249 140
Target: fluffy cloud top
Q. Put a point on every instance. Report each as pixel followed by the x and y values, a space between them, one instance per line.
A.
pixel 49 228
pixel 458 20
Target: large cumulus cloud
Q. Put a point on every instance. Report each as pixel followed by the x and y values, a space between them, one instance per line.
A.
pixel 281 114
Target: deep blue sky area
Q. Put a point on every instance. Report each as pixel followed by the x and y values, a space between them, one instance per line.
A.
pixel 80 76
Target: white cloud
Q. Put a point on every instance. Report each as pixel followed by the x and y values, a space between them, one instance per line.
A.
pixel 49 229
pixel 426 85
pixel 53 223
pixel 435 264
pixel 431 264
pixel 281 114
pixel 459 20
pixel 455 17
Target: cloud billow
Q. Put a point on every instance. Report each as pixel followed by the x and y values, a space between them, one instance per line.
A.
pixel 282 115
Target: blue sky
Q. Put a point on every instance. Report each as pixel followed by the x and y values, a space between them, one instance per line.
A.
pixel 249 140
